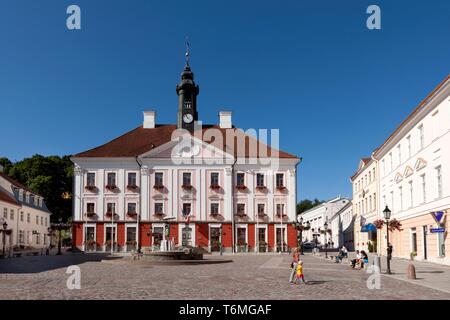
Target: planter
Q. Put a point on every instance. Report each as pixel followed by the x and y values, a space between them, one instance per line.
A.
pixel 131 247
pixel 90 188
pixel 186 187
pixel 91 247
pixel 261 188
pixel 281 188
pixel 214 187
pixel 262 247
pixel 111 188
pixel 133 187
pixel 242 248
pixel 241 187
pixel 158 187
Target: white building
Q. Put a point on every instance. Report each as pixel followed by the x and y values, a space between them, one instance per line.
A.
pixel 365 205
pixel 317 217
pixel 342 227
pixel 26 215
pixel 414 179
pixel 214 186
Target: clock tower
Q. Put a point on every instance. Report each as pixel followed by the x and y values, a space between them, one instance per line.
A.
pixel 187 92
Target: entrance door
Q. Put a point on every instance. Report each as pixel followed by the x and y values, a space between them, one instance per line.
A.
pixel 90 239
pixel 157 237
pixel 186 236
pixel 281 245
pixel 110 239
pixel 214 239
pixel 425 232
pixel 262 240
pixel 441 241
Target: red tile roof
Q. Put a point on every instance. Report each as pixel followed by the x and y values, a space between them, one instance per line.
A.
pixel 6 197
pixel 139 141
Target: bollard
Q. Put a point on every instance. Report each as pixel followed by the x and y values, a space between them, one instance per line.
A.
pixel 377 262
pixel 411 272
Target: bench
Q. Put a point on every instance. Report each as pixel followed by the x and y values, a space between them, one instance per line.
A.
pixel 17 254
pixel 34 253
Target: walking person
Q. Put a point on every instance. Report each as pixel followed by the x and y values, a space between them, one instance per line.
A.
pixel 299 276
pixel 295 257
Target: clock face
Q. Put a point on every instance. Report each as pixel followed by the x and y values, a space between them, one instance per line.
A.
pixel 187 118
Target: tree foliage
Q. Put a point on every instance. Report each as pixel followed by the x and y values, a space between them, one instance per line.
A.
pixel 307 204
pixel 49 176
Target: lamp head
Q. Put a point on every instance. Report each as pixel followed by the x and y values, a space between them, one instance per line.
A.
pixel 387 213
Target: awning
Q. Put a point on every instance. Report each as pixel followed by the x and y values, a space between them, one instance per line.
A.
pixel 368 227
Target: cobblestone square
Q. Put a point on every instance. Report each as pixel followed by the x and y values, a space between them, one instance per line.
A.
pixel 249 276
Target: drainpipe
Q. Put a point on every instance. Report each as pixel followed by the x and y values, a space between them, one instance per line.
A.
pixel 233 233
pixel 138 243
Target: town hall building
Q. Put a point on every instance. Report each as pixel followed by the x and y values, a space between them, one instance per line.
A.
pixel 211 186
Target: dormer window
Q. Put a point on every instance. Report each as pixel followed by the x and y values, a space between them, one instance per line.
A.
pixel 21 196
pixel 32 199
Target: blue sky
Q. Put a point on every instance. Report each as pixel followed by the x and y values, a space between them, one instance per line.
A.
pixel 312 69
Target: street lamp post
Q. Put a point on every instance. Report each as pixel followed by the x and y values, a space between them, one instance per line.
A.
pixel 59 226
pixel 300 227
pixel 5 226
pixel 325 227
pixel 387 216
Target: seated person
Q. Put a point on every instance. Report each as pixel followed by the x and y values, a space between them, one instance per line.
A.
pixel 364 259
pixel 356 260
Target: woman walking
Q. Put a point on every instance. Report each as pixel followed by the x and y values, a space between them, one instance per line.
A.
pixel 295 257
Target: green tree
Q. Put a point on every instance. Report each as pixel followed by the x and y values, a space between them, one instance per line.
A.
pixel 50 177
pixel 307 204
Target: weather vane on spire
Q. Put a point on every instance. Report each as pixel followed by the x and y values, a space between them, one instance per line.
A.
pixel 187 51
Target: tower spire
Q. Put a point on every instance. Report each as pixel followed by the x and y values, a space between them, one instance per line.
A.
pixel 187 54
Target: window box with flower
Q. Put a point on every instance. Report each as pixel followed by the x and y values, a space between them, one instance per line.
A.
pixel 132 187
pixel 241 187
pixel 158 187
pixel 187 187
pixel 261 188
pixel 215 187
pixel 91 188
pixel 132 214
pixel 111 187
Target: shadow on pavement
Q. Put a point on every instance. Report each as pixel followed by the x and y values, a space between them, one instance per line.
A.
pixel 46 263
pixel 312 282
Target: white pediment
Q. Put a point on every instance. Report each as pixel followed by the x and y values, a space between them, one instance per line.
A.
pixel 408 171
pixel 420 163
pixel 188 147
pixel 398 177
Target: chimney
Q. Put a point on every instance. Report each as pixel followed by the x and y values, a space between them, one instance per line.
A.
pixel 225 119
pixel 149 119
